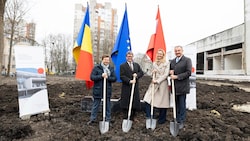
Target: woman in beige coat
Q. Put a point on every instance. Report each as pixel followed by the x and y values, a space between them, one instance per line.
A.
pixel 161 93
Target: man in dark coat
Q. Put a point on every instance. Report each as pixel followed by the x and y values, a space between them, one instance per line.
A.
pixel 180 71
pixel 99 72
pixel 127 71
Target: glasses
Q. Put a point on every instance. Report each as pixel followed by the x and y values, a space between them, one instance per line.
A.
pixel 129 56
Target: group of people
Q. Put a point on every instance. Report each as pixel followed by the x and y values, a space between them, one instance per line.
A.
pixel 178 69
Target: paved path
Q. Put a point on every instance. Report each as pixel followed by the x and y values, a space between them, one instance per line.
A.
pixel 233 78
pixel 242 82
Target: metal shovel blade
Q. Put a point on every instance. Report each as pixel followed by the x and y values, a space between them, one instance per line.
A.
pixel 104 126
pixel 126 125
pixel 151 123
pixel 174 128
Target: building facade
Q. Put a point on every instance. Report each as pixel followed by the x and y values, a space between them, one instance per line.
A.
pixel 224 53
pixel 24 34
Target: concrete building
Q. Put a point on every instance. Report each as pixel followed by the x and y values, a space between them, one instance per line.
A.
pixel 246 63
pixel 23 31
pixel 103 24
pixel 226 52
pixel 221 53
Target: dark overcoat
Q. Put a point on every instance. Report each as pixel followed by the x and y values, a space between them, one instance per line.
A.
pixel 183 69
pixel 96 76
pixel 126 74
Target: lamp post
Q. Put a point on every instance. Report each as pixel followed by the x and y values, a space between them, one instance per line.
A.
pixel 46 60
pixel 51 56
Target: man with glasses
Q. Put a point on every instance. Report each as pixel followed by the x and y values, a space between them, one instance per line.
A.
pixel 128 70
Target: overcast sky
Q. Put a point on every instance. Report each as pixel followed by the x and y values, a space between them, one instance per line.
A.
pixel 184 21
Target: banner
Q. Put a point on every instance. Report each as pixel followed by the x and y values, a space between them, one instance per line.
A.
pixel 31 81
pixel 190 51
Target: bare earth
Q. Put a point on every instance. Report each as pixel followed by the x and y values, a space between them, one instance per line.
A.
pixel 213 120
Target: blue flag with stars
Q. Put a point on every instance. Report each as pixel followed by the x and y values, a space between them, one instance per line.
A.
pixel 122 45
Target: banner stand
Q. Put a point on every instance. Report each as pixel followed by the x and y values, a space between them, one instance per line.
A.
pixel 27 117
pixel 31 81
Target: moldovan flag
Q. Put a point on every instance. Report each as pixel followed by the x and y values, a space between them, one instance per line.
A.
pixel 122 45
pixel 157 40
pixel 83 53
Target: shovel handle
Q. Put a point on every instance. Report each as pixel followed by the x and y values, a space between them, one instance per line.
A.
pixel 104 98
pixel 131 98
pixel 174 105
pixel 152 96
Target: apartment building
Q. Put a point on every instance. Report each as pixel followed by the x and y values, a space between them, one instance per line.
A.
pixel 24 35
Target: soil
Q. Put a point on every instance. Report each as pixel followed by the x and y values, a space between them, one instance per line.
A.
pixel 214 118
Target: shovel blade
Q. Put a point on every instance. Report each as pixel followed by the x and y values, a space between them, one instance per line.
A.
pixel 151 123
pixel 126 125
pixel 104 126
pixel 174 128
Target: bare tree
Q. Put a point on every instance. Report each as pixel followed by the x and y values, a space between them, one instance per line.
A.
pixel 108 43
pixel 47 43
pixel 2 7
pixel 57 52
pixel 14 12
pixel 144 62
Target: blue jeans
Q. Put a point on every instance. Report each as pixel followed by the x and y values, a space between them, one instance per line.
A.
pixel 181 108
pixel 95 109
pixel 148 110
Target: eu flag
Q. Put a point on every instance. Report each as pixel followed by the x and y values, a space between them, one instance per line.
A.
pixel 122 45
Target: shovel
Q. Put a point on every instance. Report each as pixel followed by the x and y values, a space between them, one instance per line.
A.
pixel 104 125
pixel 174 125
pixel 127 123
pixel 151 123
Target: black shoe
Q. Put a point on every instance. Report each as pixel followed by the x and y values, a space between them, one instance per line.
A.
pixel 161 121
pixel 91 122
pixel 181 125
pixel 112 121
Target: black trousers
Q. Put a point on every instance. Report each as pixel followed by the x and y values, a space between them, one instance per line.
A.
pixel 125 114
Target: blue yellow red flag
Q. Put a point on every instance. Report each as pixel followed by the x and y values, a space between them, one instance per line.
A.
pixel 83 53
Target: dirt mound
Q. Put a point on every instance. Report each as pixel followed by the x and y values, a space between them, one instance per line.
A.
pixel 213 120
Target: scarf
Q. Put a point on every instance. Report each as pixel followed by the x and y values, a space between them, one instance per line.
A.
pixel 105 69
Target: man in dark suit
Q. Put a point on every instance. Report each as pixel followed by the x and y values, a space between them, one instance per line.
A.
pixel 127 71
pixel 180 71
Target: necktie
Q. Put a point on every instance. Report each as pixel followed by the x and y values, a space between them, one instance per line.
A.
pixel 131 65
pixel 177 60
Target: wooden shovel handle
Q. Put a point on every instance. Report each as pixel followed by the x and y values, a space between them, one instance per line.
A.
pixel 152 95
pixel 174 105
pixel 104 98
pixel 131 97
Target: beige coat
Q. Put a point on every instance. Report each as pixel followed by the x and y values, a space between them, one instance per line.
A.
pixel 161 95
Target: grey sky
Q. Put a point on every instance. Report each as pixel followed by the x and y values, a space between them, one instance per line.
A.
pixel 184 21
